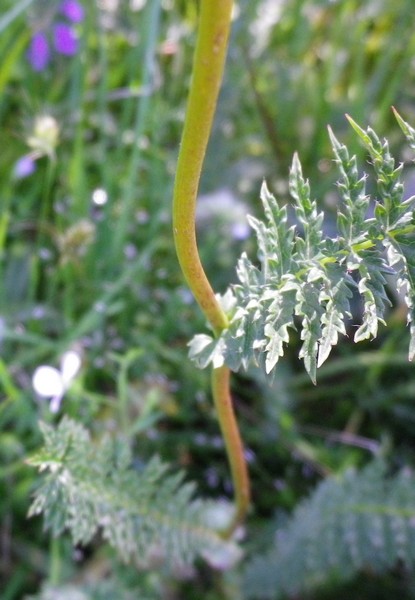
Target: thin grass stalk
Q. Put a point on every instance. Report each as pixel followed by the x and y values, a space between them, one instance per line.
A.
pixel 143 106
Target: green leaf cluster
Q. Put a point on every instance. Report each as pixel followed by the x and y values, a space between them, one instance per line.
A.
pixel 305 280
pixel 147 515
pixel 365 520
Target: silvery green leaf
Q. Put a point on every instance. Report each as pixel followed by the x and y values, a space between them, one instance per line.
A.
pixel 88 489
pixel 205 350
pixel 301 275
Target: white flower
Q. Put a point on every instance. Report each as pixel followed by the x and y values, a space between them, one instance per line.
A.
pixel 52 383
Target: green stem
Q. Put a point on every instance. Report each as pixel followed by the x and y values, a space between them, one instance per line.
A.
pixel 209 60
pixel 55 565
pixel 208 66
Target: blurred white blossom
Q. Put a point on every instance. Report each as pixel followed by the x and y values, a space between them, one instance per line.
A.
pixel 52 383
pixel 224 207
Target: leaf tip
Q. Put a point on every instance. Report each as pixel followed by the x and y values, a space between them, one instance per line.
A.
pixel 334 141
pixel 355 126
pixel 296 161
pixel 264 193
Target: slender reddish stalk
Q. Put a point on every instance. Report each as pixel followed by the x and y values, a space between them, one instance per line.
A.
pixel 233 444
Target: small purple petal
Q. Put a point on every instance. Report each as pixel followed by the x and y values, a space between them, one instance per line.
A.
pixel 64 39
pixel 38 53
pixel 72 10
pixel 55 403
pixel 24 167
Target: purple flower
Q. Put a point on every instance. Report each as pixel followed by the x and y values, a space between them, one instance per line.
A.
pixel 72 10
pixel 64 39
pixel 63 34
pixel 24 167
pixel 38 53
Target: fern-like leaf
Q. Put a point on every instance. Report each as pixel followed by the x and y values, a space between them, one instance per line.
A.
pixel 396 217
pixel 91 487
pixel 363 521
pixel 304 277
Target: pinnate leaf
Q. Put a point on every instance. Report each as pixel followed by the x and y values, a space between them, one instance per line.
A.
pixel 305 279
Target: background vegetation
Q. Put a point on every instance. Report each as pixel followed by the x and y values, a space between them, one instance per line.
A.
pixel 87 263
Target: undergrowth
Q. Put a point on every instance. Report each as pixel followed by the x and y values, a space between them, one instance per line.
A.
pixel 134 490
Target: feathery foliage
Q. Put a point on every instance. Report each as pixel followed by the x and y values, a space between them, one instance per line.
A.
pixel 143 514
pixel 310 278
pixel 363 521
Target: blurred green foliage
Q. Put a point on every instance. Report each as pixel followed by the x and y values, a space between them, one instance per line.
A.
pixel 87 259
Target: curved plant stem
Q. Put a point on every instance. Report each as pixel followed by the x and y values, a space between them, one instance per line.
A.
pixel 209 60
pixel 208 65
pixel 233 444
